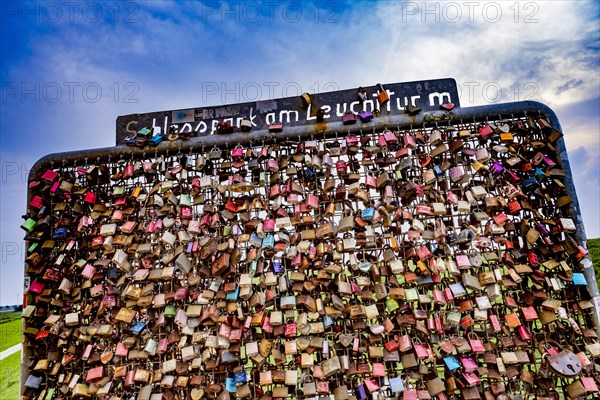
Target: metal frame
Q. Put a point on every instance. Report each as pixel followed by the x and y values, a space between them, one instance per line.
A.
pixel 333 129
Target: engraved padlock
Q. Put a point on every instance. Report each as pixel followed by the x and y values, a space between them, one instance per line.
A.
pixel 565 363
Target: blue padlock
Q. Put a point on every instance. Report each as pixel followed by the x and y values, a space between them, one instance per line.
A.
pixel 60 233
pixel 579 279
pixel 138 327
pixel 156 140
pixel 113 273
pixel 364 266
pixel 230 385
pixel 233 295
pixel 368 214
pixel 361 392
pixel 539 175
pixel 530 184
pixel 451 363
pixel 144 132
pixel 255 240
pixel 309 174
pixel 278 267
pixel 239 377
pixel 268 242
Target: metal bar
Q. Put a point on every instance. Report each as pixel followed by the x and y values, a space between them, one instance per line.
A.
pixel 470 114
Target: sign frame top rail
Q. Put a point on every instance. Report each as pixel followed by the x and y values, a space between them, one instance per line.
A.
pixel 296 111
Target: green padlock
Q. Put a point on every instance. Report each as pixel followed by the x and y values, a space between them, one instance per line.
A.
pixel 49 394
pixel 29 224
pixel 391 305
pixel 185 200
pixel 118 191
pixel 170 311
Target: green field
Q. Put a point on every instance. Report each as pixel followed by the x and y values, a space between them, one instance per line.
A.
pixel 594 249
pixel 10 330
pixel 10 369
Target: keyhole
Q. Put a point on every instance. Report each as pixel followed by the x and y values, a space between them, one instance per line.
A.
pixel 571 367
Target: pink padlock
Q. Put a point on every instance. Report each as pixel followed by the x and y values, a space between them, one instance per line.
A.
pixel 272 165
pixel 269 225
pixel 351 140
pixel 409 141
pixel 266 326
pixel 341 167
pixel 181 293
pixel 87 352
pixel 468 364
pixel 312 201
pixel 129 378
pixel 371 181
pixel 186 212
pixel 180 318
pixel 163 344
pixel 495 323
pixel 224 330
pixel 150 227
pixel 524 333
pixel 121 350
pixel 378 369
pixel 471 378
pixel 237 152
pixel 55 187
pixel 90 197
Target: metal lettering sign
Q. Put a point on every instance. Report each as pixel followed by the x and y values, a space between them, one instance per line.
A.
pixel 428 95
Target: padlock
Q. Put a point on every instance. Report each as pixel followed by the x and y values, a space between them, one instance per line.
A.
pixel 276 127
pixel 349 118
pixel 565 363
pixel 382 95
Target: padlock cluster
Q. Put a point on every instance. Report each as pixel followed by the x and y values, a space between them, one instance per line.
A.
pixel 434 262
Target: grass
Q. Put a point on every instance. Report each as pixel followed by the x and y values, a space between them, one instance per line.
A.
pixel 593 246
pixel 10 330
pixel 10 372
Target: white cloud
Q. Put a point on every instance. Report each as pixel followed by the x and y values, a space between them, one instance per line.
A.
pixel 507 53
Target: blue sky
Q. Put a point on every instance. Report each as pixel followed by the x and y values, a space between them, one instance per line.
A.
pixel 68 69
